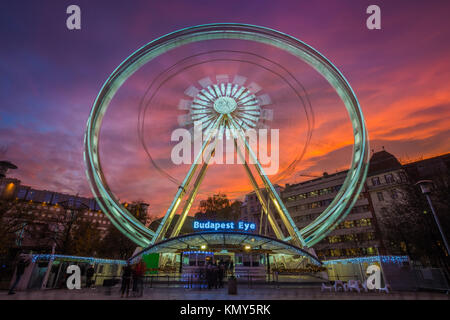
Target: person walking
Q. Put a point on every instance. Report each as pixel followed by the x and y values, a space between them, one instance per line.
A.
pixel 221 274
pixel 209 275
pixel 89 275
pixel 126 279
pixel 22 263
pixel 138 274
pixel 215 276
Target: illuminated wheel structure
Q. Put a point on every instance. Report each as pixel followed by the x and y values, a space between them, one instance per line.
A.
pixel 226 98
pixel 231 108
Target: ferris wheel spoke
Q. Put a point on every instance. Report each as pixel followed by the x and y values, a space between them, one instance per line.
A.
pixel 242 96
pixel 223 89
pixel 217 90
pixel 228 90
pixel 282 211
pixel 190 200
pixel 207 95
pixel 233 91
pixel 212 93
pixel 239 80
pixel 205 82
pixel 275 227
pixel 198 102
pixel 166 221
pixel 247 99
pixel 253 113
pixel 238 93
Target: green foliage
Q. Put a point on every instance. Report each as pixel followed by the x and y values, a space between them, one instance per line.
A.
pixel 218 208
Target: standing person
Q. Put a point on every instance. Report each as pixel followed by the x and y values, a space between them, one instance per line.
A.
pixel 134 280
pixel 21 265
pixel 89 274
pixel 227 267
pixel 138 273
pixel 209 275
pixel 221 274
pixel 126 279
pixel 215 276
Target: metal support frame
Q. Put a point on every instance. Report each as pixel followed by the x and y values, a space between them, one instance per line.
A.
pixel 167 220
pixel 192 195
pixel 273 195
pixel 271 192
pixel 265 207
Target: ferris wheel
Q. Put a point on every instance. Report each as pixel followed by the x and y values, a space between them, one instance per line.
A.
pixel 225 106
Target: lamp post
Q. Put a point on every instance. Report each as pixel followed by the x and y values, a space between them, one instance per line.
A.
pixel 426 187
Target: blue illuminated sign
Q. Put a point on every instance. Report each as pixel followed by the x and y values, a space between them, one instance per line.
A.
pixel 224 225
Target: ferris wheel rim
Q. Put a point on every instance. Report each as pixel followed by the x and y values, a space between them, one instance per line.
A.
pixel 354 180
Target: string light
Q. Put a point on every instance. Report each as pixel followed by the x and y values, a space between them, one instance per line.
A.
pixel 47 257
pixel 383 259
pixel 197 252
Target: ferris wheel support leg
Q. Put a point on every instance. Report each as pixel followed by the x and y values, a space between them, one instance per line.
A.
pixel 282 211
pixel 272 221
pixel 192 195
pixel 165 223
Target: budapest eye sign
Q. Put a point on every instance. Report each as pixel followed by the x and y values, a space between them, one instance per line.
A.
pixel 224 225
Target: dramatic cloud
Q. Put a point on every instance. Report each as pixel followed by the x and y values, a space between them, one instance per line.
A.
pixel 50 76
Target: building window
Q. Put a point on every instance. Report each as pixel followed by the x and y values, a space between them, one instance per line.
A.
pixel 370 236
pixel 394 194
pixel 351 252
pixel 348 224
pixel 313 193
pixel 389 178
pixel 315 205
pixel 350 237
pixel 402 176
pixel 380 196
pixel 335 252
pixel 363 222
pixel 334 239
pixel 376 181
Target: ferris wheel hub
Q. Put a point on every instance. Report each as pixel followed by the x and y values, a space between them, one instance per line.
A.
pixel 225 105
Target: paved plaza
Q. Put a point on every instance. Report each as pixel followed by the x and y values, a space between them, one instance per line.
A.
pixel 244 293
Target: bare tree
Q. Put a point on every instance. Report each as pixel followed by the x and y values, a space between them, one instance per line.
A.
pixel 408 227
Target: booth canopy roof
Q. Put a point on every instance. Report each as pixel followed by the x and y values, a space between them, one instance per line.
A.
pixel 225 240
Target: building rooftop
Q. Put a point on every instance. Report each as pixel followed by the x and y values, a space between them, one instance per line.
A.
pixel 383 161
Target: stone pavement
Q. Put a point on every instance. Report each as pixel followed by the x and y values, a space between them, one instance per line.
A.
pixel 244 293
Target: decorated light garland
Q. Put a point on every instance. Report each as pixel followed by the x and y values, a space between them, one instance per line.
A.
pixel 198 252
pixel 383 259
pixel 47 257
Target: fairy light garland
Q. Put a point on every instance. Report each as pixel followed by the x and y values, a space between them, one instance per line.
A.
pixel 52 257
pixel 382 259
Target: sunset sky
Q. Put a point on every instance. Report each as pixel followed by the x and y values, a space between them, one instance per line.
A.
pixel 50 76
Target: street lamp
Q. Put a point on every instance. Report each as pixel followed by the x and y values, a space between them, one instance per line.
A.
pixel 426 186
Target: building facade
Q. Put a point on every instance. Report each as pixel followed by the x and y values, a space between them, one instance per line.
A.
pixel 40 215
pixel 360 234
pixel 356 236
